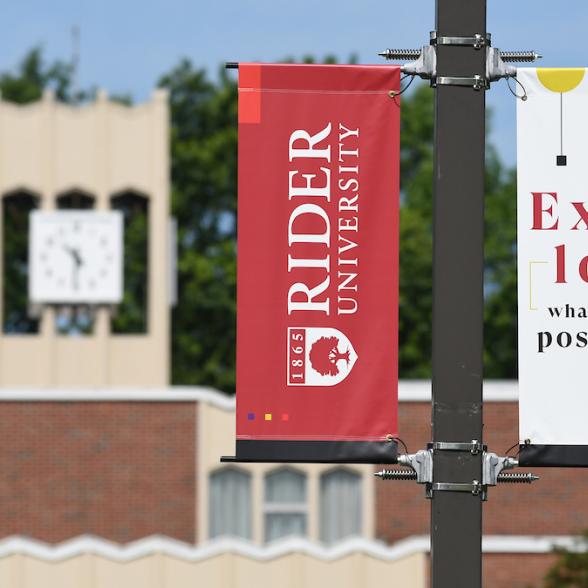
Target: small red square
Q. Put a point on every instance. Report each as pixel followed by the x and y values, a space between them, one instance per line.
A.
pixel 284 417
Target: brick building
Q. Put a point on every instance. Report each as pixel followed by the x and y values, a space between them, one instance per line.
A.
pixel 110 477
pixel 123 465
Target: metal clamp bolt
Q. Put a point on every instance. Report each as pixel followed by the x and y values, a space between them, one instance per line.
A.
pixel 475 487
pixel 477 82
pixel 474 446
pixel 477 41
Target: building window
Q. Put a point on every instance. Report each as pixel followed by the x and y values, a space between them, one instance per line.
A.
pixel 16 208
pixel 131 314
pixel 285 508
pixel 341 507
pixel 230 504
pixel 75 200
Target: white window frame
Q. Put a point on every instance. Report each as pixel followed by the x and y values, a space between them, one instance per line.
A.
pixel 286 508
pixel 359 479
pixel 224 471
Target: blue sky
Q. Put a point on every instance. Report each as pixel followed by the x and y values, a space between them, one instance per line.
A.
pixel 127 44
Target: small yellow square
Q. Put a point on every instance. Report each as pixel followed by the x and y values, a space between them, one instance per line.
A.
pixel 268 416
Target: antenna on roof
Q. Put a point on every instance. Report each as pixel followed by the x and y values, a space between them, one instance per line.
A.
pixel 75 62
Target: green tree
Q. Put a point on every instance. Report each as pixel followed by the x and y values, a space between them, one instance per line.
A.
pixel 416 218
pixel 33 75
pixel 131 314
pixel 204 200
pixel 571 569
pixel 500 310
pixel 416 243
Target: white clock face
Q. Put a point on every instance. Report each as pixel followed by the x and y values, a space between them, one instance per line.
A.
pixel 75 256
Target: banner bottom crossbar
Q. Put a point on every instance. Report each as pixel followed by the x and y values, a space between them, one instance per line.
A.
pixel 374 452
pixel 570 456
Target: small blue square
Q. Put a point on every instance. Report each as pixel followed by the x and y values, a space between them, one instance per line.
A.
pixel 251 416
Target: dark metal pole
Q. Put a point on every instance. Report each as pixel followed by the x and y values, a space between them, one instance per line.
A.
pixel 458 259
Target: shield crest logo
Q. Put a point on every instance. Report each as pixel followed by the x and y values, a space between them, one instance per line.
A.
pixel 319 356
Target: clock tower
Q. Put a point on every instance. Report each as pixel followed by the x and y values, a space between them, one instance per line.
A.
pixel 86 244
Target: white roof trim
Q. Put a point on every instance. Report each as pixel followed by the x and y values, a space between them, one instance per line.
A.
pixel 87 544
pixel 169 394
pixel 532 544
pixel 408 391
pixel 494 390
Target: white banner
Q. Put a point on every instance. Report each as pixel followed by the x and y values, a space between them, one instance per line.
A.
pixel 552 130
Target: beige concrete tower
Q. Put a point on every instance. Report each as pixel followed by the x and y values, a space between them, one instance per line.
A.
pixel 104 149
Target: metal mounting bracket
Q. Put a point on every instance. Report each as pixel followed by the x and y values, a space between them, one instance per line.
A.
pixel 477 41
pixel 421 462
pixel 492 465
pixel 421 469
pixel 477 82
pixel 496 68
pixel 474 446
pixel 474 488
pixel 425 66
pixel 423 62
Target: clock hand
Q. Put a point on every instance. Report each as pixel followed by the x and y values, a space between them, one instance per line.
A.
pixel 78 262
pixel 75 253
pixel 77 257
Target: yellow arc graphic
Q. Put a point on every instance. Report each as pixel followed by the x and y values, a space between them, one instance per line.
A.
pixel 560 79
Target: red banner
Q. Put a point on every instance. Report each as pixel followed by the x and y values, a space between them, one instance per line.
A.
pixel 317 327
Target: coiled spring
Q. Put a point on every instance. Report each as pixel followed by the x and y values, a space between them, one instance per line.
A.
pixel 396 475
pixel 519 56
pixel 527 478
